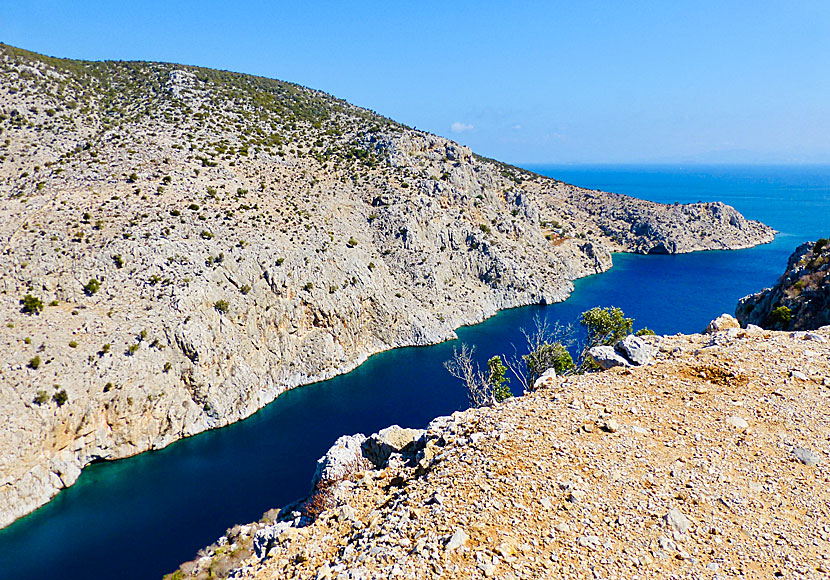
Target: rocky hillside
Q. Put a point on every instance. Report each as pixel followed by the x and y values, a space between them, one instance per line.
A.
pixel 800 300
pixel 709 463
pixel 180 245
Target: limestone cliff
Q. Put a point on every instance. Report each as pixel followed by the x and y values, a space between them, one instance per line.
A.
pixel 181 245
pixel 800 300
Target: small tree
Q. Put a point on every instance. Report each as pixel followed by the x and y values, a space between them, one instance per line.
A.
pixel 605 325
pixel 497 380
pixel 482 391
pixel 780 317
pixel 547 347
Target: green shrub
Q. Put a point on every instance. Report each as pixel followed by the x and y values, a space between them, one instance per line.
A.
pixel 92 287
pixel 73 344
pixel 206 235
pixel 245 288
pixel 351 243
pixel 221 306
pixel 645 332
pixel 497 380
pixel 31 305
pixel 34 363
pixel 41 398
pixel 118 261
pixel 605 325
pixel 820 245
pixel 547 356
pixel 780 317
pixel 60 397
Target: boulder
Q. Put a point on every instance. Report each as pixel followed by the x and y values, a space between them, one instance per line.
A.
pixel 394 439
pixel 546 381
pixel 346 452
pixel 606 357
pixel 722 322
pixel 635 350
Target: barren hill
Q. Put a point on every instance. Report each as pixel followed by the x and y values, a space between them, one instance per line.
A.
pixel 180 245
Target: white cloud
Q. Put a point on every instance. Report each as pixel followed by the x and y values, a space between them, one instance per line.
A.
pixel 459 127
pixel 517 127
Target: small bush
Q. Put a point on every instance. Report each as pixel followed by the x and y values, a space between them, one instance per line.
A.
pixel 118 261
pixel 131 350
pixel 31 305
pixel 308 286
pixel 92 287
pixel 73 344
pixel 60 397
pixel 605 325
pixel 34 363
pixel 780 317
pixel 41 398
pixel 645 332
pixel 820 245
pixel 206 235
pixel 245 288
pixel 221 306
pixel 351 243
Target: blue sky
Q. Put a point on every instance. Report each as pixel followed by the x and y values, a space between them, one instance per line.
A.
pixel 525 82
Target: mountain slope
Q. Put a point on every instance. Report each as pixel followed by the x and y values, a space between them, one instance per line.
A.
pixel 194 242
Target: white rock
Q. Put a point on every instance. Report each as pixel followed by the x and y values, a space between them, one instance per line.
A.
pixel 458 539
pixel 606 357
pixel 677 521
pixel 722 322
pixel 737 422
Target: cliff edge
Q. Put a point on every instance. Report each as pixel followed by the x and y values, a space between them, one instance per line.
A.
pixel 800 300
pixel 711 462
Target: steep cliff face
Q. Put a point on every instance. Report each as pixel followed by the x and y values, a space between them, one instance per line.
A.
pixel 800 300
pixel 195 242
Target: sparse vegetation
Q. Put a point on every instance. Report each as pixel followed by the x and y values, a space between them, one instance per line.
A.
pixel 221 306
pixel 92 287
pixel 34 362
pixel 31 304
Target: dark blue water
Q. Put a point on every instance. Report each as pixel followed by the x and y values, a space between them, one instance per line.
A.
pixel 141 517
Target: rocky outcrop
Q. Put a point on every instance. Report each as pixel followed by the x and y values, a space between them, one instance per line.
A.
pixel 631 350
pixel 688 467
pixel 192 243
pixel 800 300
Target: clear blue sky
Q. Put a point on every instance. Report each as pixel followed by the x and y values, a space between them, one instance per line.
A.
pixel 525 82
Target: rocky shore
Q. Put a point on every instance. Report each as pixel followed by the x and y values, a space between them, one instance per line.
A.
pixel 710 462
pixel 800 300
pixel 181 245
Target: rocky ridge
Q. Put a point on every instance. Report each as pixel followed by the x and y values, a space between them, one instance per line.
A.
pixel 800 300
pixel 709 463
pixel 181 245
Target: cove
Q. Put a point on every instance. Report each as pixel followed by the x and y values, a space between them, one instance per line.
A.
pixel 141 517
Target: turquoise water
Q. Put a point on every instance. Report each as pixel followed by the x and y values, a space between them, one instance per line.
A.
pixel 141 517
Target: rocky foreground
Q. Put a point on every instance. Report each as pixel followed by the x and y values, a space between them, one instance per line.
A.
pixel 180 245
pixel 712 462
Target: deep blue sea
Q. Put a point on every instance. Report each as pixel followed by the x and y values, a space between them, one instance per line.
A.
pixel 141 517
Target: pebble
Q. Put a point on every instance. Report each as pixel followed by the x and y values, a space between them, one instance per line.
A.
pixel 677 521
pixel 737 422
pixel 806 456
pixel 798 375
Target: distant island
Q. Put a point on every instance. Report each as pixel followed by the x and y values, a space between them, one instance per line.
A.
pixel 181 245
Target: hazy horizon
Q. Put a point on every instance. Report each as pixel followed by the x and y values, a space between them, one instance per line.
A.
pixel 556 83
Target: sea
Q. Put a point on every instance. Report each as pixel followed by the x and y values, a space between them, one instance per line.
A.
pixel 139 518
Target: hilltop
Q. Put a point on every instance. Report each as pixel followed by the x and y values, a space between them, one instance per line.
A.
pixel 180 245
pixel 709 463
